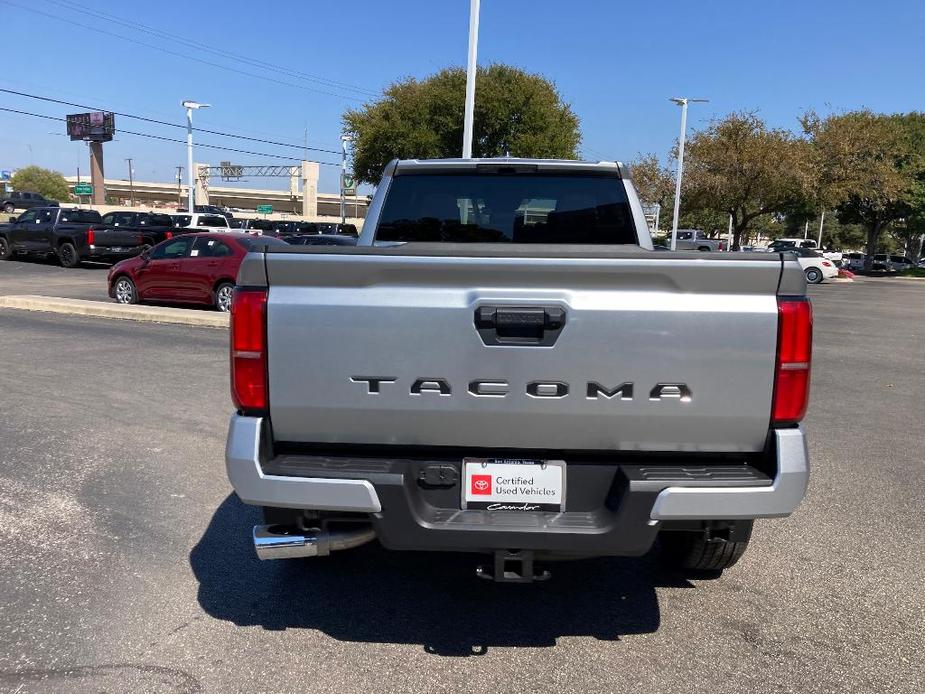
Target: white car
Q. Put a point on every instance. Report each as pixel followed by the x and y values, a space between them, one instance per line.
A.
pixel 200 221
pixel 815 267
pixel 898 263
pixel 784 244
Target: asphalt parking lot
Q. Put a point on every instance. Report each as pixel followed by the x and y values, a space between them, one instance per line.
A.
pixel 128 563
pixel 48 278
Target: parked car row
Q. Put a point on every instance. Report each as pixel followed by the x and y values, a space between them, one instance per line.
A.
pixel 286 228
pixel 74 235
pixel 881 262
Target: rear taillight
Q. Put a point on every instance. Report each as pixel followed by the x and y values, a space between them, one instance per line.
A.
pixel 91 237
pixel 168 235
pixel 794 354
pixel 826 263
pixel 249 350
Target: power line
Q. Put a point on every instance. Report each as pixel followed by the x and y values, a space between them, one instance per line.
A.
pixel 324 81
pixel 163 122
pixel 181 55
pixel 168 139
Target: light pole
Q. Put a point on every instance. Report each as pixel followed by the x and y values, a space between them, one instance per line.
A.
pixel 189 106
pixel 682 102
pixel 131 181
pixel 471 69
pixel 344 139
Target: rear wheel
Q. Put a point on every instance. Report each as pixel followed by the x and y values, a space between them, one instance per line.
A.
pixel 124 291
pixel 9 209
pixel 6 251
pixel 223 294
pixel 705 551
pixel 813 275
pixel 67 254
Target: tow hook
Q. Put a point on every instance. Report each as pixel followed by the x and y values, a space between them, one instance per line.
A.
pixel 512 566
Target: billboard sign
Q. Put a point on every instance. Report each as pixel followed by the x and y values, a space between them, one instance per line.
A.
pixel 98 126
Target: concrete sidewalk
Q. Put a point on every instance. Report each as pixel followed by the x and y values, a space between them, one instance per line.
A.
pixel 101 309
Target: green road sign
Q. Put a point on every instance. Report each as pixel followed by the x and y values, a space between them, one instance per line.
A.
pixel 348 184
pixel 83 189
pixel 264 209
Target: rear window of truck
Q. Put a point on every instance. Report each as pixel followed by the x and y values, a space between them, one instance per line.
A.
pixel 212 222
pixel 521 208
pixel 81 216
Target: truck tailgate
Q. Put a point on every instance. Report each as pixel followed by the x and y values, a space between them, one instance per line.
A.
pixel 109 238
pixel 656 351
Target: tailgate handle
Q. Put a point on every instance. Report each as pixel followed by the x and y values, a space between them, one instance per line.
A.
pixel 519 325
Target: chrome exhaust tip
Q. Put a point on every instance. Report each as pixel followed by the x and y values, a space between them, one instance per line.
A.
pixel 284 542
pixel 281 542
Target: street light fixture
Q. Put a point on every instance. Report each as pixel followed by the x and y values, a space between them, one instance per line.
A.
pixel 682 102
pixel 189 106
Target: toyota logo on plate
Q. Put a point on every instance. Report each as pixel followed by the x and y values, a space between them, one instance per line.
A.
pixel 481 484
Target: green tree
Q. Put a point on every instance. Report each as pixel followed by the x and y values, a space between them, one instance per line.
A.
pixel 516 113
pixel 869 165
pixel 740 167
pixel 655 184
pixel 35 179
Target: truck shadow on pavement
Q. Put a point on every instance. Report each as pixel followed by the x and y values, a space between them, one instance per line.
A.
pixel 433 599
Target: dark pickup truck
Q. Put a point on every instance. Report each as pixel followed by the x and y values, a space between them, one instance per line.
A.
pixel 24 201
pixel 72 235
pixel 153 227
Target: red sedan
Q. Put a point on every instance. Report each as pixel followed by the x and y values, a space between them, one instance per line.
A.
pixel 189 269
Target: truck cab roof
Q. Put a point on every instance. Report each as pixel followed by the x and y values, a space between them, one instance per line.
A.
pixel 516 164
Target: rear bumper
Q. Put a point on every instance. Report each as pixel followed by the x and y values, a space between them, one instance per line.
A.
pixel 108 253
pixel 614 508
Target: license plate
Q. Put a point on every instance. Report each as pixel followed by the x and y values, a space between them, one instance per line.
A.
pixel 502 484
pixel 118 249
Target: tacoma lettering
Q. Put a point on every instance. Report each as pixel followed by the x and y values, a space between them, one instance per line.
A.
pixel 499 388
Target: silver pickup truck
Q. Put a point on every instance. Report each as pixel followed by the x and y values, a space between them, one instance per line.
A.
pixel 503 366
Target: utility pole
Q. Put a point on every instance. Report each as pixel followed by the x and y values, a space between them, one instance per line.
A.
pixel 131 182
pixel 821 222
pixel 189 106
pixel 179 186
pixel 344 139
pixel 682 102
pixel 471 69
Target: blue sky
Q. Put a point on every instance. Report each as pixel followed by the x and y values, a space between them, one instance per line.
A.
pixel 614 62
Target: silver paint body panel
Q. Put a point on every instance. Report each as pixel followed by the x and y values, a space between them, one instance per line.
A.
pixel 709 322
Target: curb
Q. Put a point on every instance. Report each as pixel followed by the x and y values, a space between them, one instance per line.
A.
pixel 101 309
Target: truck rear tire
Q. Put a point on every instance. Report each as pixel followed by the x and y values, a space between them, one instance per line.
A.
pixel 67 255
pixel 696 551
